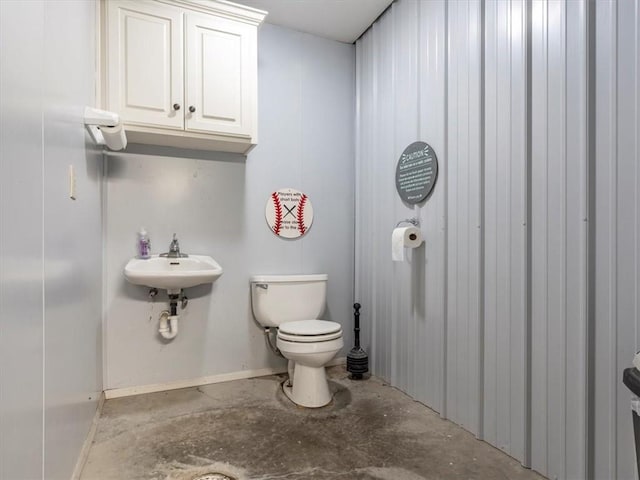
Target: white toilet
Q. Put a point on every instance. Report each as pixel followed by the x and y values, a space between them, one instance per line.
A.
pixel 293 304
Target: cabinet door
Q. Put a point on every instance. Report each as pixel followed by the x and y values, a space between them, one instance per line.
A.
pixel 145 63
pixel 221 75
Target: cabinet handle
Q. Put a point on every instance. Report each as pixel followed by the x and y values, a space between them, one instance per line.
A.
pixel 176 106
pixel 192 109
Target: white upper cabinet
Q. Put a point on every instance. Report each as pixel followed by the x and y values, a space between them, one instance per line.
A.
pixel 222 93
pixel 182 73
pixel 145 57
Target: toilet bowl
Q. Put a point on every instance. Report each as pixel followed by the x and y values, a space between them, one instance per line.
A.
pixel 293 304
pixel 309 352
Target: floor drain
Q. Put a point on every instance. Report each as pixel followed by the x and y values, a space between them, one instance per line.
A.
pixel 213 476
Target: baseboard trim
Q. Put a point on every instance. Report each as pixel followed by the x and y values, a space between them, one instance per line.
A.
pixel 84 452
pixel 197 382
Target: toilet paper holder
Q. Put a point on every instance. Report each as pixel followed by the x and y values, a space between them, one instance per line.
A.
pixel 413 221
pixel 405 237
pixel 95 118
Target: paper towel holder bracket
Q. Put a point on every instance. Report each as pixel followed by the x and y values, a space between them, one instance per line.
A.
pixel 413 221
pixel 95 118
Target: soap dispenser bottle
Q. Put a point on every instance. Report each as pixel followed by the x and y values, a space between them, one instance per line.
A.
pixel 144 244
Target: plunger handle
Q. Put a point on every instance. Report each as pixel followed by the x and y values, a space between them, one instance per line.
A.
pixel 356 318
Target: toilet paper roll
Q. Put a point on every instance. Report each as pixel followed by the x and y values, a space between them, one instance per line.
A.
pixel 404 237
pixel 114 137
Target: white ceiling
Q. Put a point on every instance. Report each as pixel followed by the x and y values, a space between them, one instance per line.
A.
pixel 342 20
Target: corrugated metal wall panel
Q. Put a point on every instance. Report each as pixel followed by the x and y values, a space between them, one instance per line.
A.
pixel 618 233
pixel 605 342
pixel 403 301
pixel 464 322
pixel 405 131
pixel 505 226
pixel 628 217
pixel 364 284
pixel 450 326
pixel 559 238
pixel 383 199
pixel 539 253
pixel 432 115
pixel 576 238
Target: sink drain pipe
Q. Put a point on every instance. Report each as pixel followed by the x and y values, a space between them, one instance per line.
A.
pixel 168 325
pixel 169 319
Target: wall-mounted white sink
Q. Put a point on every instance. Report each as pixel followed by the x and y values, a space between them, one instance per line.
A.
pixel 172 274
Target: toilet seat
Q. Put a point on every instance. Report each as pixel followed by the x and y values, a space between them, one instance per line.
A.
pixel 308 331
pixel 309 338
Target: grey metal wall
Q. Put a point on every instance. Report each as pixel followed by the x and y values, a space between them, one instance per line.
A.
pixel 517 316
pixel 403 303
pixel 464 202
pixel 558 238
pixel 505 226
pixel 616 287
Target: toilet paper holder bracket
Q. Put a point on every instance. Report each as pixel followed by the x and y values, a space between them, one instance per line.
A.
pixel 413 221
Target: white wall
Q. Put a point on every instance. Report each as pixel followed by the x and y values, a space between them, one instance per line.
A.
pixel 50 245
pixel 21 289
pixel 215 203
pixel 72 243
pixel 518 315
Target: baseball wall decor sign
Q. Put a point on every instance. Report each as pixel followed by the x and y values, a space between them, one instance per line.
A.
pixel 289 213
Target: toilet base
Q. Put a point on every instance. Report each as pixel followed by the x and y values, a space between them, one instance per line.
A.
pixel 310 387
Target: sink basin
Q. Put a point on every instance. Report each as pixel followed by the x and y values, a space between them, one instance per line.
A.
pixel 172 274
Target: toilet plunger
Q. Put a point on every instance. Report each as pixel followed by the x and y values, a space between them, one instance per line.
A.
pixel 357 359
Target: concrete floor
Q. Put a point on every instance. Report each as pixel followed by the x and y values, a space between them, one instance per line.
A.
pixel 248 429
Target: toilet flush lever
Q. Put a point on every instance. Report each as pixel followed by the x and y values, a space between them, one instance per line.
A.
pixel 262 285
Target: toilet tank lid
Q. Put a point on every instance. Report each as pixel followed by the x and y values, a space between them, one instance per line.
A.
pixel 318 277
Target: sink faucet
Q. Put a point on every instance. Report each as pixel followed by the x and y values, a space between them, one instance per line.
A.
pixel 174 249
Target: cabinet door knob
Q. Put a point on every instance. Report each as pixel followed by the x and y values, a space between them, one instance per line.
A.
pixel 176 106
pixel 192 109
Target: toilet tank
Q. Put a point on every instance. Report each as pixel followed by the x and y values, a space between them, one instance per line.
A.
pixel 276 299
